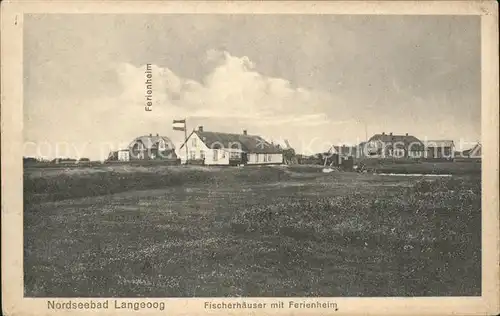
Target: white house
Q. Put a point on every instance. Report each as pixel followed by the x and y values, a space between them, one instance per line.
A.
pixel 146 148
pixel 215 148
pixel 152 147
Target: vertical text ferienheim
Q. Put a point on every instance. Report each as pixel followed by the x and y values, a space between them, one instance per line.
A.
pixel 149 88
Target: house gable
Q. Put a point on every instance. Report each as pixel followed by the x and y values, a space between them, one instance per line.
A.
pixel 194 142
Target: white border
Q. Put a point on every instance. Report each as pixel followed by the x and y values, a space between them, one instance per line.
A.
pixel 11 150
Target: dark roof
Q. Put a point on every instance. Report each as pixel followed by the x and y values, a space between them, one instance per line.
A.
pixel 247 143
pixel 439 143
pixel 151 142
pixel 400 139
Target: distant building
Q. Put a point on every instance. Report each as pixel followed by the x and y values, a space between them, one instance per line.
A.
pixel 146 148
pixel 345 152
pixel 474 152
pixel 394 146
pixel 439 149
pixel 64 160
pixel 216 148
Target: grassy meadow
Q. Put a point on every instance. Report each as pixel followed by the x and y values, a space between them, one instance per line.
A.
pixel 181 231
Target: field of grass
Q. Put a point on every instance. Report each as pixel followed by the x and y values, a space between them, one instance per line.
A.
pixel 258 231
pixel 409 166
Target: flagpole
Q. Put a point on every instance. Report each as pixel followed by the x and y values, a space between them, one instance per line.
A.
pixel 183 128
pixel 185 139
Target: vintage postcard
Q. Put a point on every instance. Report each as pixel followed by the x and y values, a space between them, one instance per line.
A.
pixel 250 158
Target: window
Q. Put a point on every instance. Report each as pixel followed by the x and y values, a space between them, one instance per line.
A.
pixel 256 157
pixel 398 153
pixel 265 158
pixel 161 145
pixel 216 154
pixel 194 142
pixel 193 154
pixel 202 154
pixel 269 158
pixel 234 155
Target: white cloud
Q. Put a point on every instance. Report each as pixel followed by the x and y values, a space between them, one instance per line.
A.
pixel 233 93
pixel 234 89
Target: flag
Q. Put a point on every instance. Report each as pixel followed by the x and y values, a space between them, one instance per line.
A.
pixel 179 125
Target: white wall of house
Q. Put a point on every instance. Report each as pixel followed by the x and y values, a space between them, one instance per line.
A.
pixel 396 153
pixel 161 145
pixel 217 157
pixel 198 150
pixel 416 154
pixel 373 149
pixel 123 155
pixel 262 159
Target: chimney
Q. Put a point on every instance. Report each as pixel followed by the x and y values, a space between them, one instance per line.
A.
pixel 245 132
pixel 406 134
pixel 150 134
pixel 200 128
pixel 390 134
pixel 383 133
pixel 157 135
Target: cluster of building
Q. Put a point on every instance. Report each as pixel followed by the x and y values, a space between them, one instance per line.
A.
pixel 203 147
pixel 399 146
pixel 217 148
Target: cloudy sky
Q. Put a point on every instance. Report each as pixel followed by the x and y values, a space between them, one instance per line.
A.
pixel 311 79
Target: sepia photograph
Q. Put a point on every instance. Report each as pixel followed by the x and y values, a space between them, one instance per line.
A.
pixel 244 155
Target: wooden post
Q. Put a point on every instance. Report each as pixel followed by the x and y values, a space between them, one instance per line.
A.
pixel 185 140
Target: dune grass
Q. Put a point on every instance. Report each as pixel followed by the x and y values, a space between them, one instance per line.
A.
pixel 251 232
pixel 409 166
pixel 67 183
